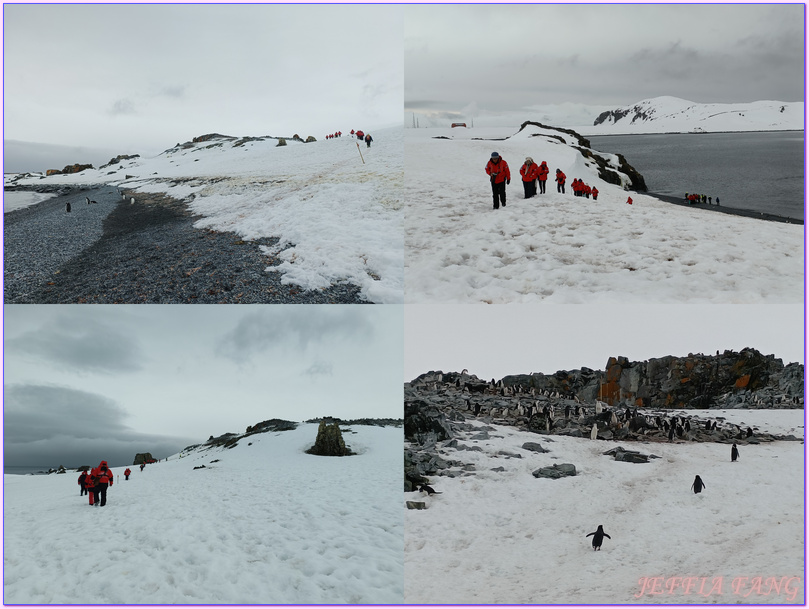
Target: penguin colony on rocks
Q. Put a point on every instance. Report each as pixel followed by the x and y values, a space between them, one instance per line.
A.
pixel 516 405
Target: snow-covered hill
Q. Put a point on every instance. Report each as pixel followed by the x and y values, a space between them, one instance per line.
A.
pixel 261 523
pixel 564 249
pixel 499 535
pixel 675 115
pixel 336 207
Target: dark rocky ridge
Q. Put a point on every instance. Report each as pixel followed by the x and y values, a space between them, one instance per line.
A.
pixel 606 170
pixel 439 407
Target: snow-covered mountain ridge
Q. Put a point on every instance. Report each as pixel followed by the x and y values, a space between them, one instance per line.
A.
pixel 674 115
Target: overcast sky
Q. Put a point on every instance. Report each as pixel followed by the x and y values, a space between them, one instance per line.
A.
pixel 495 341
pixel 86 383
pixel 481 59
pixel 141 78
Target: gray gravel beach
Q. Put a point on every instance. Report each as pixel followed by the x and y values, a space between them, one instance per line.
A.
pixel 147 252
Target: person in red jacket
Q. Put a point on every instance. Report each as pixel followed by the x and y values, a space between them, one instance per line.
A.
pixel 90 485
pixel 82 487
pixel 560 181
pixel 542 176
pixel 360 135
pixel 127 471
pixel 352 132
pixel 587 191
pixel 629 200
pixel 529 172
pixel 499 175
pixel 103 480
pixel 595 193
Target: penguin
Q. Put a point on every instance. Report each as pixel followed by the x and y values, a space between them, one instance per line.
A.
pixel 734 453
pixel 698 485
pixel 598 537
pixel 671 433
pixel 749 431
pixel 477 409
pixel 567 411
pixel 424 488
pixel 594 432
pixel 67 207
pixel 688 426
pixel 89 201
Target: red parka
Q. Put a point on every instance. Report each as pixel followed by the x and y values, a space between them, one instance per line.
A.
pixel 560 177
pixel 104 475
pixel 127 471
pixel 499 170
pixel 595 193
pixel 528 172
pixel 542 172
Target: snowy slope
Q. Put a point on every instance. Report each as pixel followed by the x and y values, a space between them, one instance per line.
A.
pixel 337 218
pixel 564 249
pixel 674 115
pixel 507 537
pixel 267 523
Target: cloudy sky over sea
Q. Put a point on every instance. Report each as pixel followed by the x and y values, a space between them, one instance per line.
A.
pixel 488 59
pixel 495 341
pixel 106 382
pixel 140 78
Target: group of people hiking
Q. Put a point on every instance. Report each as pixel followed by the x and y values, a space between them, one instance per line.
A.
pixel 363 136
pixel 532 174
pixel 94 482
pixel 694 198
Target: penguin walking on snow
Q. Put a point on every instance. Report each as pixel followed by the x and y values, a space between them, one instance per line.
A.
pixel 424 488
pixel 734 453
pixel 698 485
pixel 598 537
pixel 67 207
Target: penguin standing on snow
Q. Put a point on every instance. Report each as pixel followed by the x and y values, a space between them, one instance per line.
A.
pixel 698 485
pixel 424 488
pixel 734 453
pixel 598 537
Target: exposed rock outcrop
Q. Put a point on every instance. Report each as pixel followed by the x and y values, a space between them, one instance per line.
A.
pixel 329 442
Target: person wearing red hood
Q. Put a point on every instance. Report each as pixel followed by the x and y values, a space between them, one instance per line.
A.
pixel 542 176
pixel 103 480
pixel 629 200
pixel 127 471
pixel 499 175
pixel 595 193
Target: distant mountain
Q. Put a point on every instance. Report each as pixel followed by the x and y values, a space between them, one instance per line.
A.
pixel 672 114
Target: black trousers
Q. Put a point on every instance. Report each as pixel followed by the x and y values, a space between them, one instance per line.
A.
pixel 542 187
pixel 83 491
pixel 560 187
pixel 530 188
pixel 101 494
pixel 499 194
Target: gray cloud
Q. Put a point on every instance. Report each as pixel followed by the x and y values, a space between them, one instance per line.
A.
pixel 319 368
pixel 292 328
pixel 83 345
pixel 52 425
pixel 123 106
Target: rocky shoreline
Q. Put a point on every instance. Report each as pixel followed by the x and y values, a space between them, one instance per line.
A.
pixel 734 211
pixel 146 252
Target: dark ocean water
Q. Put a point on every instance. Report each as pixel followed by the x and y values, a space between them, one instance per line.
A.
pixel 761 171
